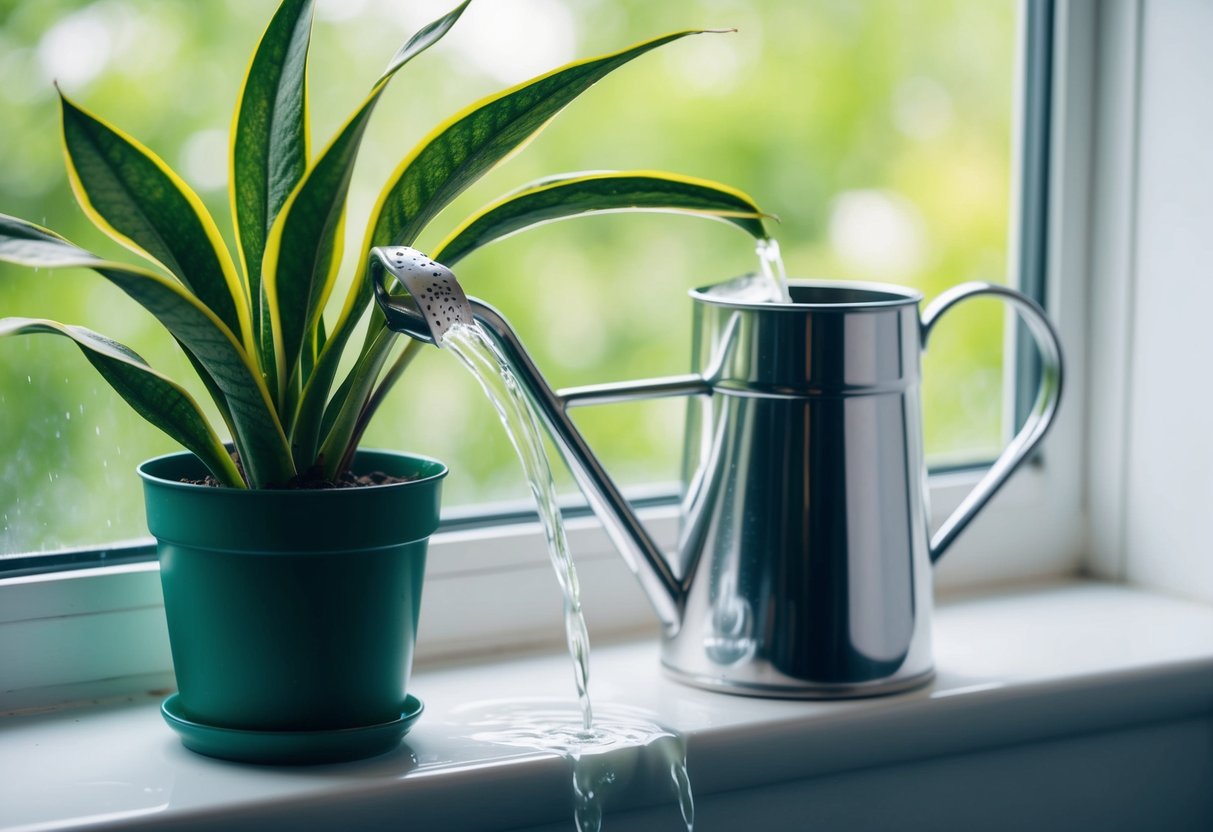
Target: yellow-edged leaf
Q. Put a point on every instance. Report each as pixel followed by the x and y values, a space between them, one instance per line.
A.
pixel 303 250
pixel 258 434
pixel 446 162
pixel 269 150
pixel 597 192
pixel 134 197
pixel 153 396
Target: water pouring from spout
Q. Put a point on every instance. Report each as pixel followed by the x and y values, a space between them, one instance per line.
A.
pixel 436 310
pixel 770 261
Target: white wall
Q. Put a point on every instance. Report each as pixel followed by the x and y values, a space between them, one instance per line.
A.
pixel 1168 473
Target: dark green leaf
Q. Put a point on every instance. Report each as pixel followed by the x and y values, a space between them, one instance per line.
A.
pixel 463 148
pixel 270 138
pixel 361 384
pixel 453 156
pixel 425 37
pixel 303 251
pixel 130 194
pixel 257 431
pixel 579 194
pixel 154 397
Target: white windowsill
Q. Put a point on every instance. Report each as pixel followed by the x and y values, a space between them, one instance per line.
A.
pixel 1031 666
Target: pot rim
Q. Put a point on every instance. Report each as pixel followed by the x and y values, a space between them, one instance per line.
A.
pixel 143 469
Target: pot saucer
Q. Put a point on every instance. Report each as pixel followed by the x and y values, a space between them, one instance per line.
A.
pixel 290 747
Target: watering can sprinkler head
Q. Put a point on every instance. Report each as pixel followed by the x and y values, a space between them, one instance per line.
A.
pixel 433 301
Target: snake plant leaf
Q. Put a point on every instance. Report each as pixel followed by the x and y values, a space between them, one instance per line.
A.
pixel 348 409
pixel 423 39
pixel 386 382
pixel 573 195
pixel 445 163
pixel 134 197
pixel 258 434
pixel 304 425
pixel 269 151
pixel 462 149
pixel 156 398
pixel 303 251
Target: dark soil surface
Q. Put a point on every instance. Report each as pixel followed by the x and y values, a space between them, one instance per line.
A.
pixel 314 479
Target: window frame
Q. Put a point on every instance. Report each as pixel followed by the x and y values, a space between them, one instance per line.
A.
pixel 87 629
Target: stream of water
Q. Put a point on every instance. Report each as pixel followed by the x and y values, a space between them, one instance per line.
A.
pixel 770 262
pixel 473 347
pixel 585 741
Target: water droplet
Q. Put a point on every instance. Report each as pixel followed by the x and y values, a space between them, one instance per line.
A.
pixel 97 430
pixel 29 380
pixel 68 415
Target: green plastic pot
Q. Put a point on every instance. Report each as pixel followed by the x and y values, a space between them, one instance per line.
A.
pixel 292 613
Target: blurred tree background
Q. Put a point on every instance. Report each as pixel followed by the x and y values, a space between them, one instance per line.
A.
pixel 880 133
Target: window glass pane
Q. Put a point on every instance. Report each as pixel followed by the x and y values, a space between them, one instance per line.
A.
pixel 879 132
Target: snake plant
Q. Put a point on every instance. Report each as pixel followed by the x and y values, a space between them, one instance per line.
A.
pixel 252 321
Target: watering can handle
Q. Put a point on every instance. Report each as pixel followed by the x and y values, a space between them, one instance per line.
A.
pixel 1040 419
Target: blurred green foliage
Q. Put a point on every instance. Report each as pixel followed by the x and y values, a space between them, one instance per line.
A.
pixel 880 133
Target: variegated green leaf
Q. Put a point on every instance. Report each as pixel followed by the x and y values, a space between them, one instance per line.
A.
pixel 463 148
pixel 386 382
pixel 270 133
pixel 444 164
pixel 305 251
pixel 305 423
pixel 423 39
pixel 360 385
pixel 133 196
pixel 304 246
pixel 313 419
pixel 257 432
pixel 573 195
pixel 154 397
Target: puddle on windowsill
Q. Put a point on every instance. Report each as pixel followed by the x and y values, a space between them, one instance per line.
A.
pixel 624 753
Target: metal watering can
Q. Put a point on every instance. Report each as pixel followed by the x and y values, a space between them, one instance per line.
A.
pixel 803 565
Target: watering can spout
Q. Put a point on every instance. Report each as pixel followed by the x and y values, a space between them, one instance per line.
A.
pixel 409 313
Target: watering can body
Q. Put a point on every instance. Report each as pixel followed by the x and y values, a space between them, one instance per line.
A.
pixel 803 564
pixel 805 505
